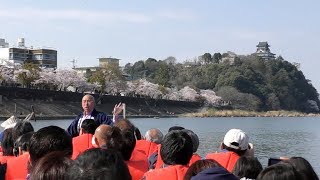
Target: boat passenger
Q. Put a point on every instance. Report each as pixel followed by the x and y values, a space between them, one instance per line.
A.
pixel 200 166
pixel 84 140
pixel 107 164
pixel 53 165
pixel 176 151
pixel 279 171
pixel 89 112
pixel 247 168
pixel 46 140
pixel 17 167
pixel 235 144
pixel 303 167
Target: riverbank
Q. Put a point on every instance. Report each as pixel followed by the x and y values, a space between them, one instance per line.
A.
pixel 241 113
pixel 64 117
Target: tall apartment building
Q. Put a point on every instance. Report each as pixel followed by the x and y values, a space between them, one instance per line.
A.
pixel 43 56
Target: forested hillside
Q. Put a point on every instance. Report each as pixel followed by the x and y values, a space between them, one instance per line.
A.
pixel 247 82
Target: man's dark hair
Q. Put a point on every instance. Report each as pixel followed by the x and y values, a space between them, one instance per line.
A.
pixel 88 126
pixel 53 165
pixel 7 142
pixel 248 167
pixel 22 127
pixel 175 128
pixel 283 171
pixel 49 139
pixel 194 138
pixel 98 164
pixel 23 142
pixel 176 148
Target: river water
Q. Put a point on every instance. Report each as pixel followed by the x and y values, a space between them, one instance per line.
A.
pixel 272 137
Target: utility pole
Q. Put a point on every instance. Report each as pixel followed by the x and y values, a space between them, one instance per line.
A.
pixel 73 63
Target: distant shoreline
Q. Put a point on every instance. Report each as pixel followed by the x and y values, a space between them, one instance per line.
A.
pixel 71 117
pixel 241 113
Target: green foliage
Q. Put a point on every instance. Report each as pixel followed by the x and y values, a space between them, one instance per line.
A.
pixel 162 76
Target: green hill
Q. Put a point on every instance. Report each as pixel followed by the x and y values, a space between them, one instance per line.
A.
pixel 247 82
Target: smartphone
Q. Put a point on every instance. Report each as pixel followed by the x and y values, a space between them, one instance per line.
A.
pixel 272 161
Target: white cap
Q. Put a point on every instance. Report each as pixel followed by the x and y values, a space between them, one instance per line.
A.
pixel 236 139
pixel 10 122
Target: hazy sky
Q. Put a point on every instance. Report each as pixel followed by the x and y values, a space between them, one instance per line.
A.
pixel 135 30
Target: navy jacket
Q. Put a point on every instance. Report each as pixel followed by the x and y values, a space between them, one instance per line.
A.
pixel 99 118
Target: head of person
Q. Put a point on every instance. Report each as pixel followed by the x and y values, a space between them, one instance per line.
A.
pixel 49 139
pixel 51 166
pixel 126 146
pixel 108 137
pixel 194 138
pixel 22 144
pixel 216 173
pixel 237 141
pixel 303 167
pixel 199 166
pixel 154 135
pixel 279 171
pixel 175 128
pixel 22 127
pixel 176 148
pixel 7 142
pixel 99 163
pixel 88 126
pixel 248 167
pixel 125 124
pixel 88 103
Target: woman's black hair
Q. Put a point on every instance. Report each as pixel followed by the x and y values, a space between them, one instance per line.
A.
pixel 303 167
pixel 248 167
pixel 279 171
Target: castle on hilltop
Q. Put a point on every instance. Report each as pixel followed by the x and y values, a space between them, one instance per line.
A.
pixel 263 51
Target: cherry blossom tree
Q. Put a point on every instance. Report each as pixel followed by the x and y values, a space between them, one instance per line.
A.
pixel 210 97
pixel 6 75
pixel 47 79
pixel 189 94
pixel 173 94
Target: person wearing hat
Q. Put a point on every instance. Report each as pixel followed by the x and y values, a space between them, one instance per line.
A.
pixel 234 145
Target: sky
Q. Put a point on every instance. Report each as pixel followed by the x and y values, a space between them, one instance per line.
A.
pixel 130 30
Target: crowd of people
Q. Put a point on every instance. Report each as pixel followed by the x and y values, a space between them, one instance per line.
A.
pixel 96 147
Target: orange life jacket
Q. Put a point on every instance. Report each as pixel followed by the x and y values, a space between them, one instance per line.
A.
pixel 80 144
pixel 174 172
pixel 17 167
pixel 137 168
pixel 194 158
pixel 4 159
pixel 138 155
pixel 146 146
pixel 226 159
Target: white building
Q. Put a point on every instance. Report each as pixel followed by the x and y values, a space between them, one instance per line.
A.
pixel 3 43
pixel 20 54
